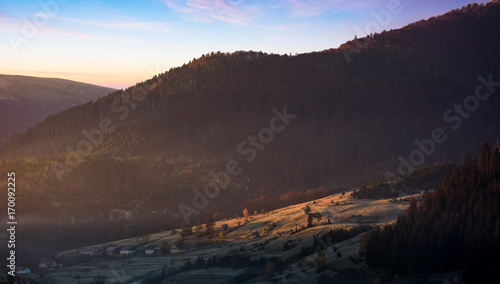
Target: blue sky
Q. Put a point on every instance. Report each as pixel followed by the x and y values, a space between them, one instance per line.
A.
pixel 119 43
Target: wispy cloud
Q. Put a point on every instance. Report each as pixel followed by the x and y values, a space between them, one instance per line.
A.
pixel 129 25
pixel 5 16
pixel 241 12
pixel 230 11
pixel 318 7
pixel 14 24
pixel 61 33
pixel 283 27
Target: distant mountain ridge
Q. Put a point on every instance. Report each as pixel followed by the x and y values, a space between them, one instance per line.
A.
pixel 26 100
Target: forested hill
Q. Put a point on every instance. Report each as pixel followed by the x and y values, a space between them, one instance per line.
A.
pixel 457 227
pixel 351 115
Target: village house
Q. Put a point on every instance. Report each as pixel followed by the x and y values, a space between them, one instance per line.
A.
pixel 112 251
pixel 127 251
pixel 46 263
pixel 177 248
pixel 153 250
pixel 140 250
pixel 88 251
pixel 23 270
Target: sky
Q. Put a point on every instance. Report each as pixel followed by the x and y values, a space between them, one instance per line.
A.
pixel 120 43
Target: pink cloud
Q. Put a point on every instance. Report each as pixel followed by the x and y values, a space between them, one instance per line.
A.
pixel 230 11
pixel 130 25
pixel 318 7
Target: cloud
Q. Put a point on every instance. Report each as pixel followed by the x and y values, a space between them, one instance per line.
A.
pixel 284 27
pixel 5 16
pixel 16 26
pixel 230 11
pixel 129 25
pixel 241 12
pixel 319 7
pixel 61 33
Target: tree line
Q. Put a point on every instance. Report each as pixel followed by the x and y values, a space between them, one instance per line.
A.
pixel 456 227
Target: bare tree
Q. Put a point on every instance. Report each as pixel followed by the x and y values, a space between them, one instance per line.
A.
pixel 210 226
pixel 198 227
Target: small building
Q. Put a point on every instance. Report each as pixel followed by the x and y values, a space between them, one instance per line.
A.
pixel 156 250
pixel 23 270
pixel 140 250
pixel 127 251
pixel 112 251
pixel 178 248
pixel 88 251
pixel 46 263
pixel 149 251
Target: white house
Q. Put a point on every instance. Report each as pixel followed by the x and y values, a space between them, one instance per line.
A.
pixel 150 250
pixel 23 270
pixel 127 251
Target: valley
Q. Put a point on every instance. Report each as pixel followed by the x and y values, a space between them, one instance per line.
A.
pixel 261 235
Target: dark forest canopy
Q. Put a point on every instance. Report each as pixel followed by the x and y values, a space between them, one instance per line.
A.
pixel 456 227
